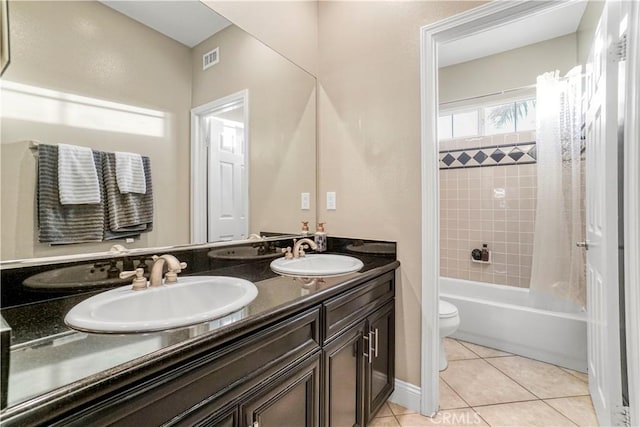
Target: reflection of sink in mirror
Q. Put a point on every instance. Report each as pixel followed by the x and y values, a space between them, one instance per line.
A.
pixel 77 277
pixel 192 300
pixel 243 253
pixel 317 265
pixel 373 248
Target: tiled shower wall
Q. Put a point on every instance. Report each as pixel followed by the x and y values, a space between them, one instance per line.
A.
pixel 492 203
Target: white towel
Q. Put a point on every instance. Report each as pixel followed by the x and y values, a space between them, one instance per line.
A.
pixel 130 173
pixel 77 177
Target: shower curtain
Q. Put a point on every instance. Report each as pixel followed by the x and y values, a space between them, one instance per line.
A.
pixel 558 265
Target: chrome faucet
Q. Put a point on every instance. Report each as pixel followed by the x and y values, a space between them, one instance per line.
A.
pixel 302 244
pixel 173 268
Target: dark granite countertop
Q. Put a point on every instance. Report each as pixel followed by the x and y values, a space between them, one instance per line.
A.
pixel 51 364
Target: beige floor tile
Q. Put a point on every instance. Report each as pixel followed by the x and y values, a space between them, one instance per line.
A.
pixel 449 399
pixel 577 409
pixel 384 411
pixel 531 414
pixel 484 351
pixel 398 409
pixel 479 383
pixel 456 351
pixel 542 379
pixel 449 418
pixel 384 422
pixel 582 375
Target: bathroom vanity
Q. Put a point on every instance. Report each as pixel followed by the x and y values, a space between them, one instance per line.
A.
pixel 307 354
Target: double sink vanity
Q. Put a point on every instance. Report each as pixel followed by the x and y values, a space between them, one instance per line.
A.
pixel 246 340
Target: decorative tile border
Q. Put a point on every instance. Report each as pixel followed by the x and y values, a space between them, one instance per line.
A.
pixel 496 155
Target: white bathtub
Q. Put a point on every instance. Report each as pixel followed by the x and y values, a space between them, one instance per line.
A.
pixel 502 317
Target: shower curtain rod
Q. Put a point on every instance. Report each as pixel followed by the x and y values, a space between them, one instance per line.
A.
pixel 503 92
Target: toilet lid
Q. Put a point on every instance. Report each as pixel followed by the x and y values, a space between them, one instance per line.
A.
pixel 447 309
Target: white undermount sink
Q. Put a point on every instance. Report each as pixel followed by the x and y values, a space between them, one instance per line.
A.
pixel 317 265
pixel 192 300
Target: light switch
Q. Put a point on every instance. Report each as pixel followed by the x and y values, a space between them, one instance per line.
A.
pixel 305 201
pixel 331 200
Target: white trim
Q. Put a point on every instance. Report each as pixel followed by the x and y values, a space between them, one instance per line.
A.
pixel 407 395
pixel 478 19
pixel 199 158
pixel 632 211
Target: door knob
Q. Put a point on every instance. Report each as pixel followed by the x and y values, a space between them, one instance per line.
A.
pixel 584 245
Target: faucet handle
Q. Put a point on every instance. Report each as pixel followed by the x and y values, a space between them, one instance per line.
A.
pixel 140 282
pixel 287 252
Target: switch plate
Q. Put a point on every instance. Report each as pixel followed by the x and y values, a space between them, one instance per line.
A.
pixel 331 200
pixel 305 201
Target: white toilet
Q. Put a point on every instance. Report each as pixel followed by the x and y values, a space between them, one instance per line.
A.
pixel 449 322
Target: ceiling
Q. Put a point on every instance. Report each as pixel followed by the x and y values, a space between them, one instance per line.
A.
pixel 197 22
pixel 186 21
pixel 529 30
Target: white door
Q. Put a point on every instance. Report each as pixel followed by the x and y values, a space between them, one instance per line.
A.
pixel 227 187
pixel 602 220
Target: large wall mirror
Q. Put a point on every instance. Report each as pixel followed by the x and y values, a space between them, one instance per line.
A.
pixel 127 76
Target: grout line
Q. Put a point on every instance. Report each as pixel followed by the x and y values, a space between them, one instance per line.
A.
pixel 455 392
pixel 570 420
pixel 478 413
pixel 505 403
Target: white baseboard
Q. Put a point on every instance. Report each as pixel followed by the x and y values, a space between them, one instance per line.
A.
pixel 407 395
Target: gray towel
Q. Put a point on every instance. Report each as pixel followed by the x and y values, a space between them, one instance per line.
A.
pixel 62 224
pixel 127 214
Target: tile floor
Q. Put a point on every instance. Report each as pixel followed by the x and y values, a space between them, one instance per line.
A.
pixel 487 387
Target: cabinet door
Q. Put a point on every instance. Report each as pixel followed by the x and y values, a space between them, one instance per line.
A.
pixel 379 365
pixel 228 418
pixel 344 379
pixel 292 400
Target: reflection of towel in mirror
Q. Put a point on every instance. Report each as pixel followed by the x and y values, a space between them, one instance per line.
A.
pixel 58 223
pixel 77 175
pixel 130 174
pixel 127 214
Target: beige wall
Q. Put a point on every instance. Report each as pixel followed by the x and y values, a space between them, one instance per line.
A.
pixel 369 138
pixel 587 28
pixel 508 70
pixel 282 116
pixel 288 27
pixel 87 49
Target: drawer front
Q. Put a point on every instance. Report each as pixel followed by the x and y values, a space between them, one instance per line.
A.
pixel 355 305
pixel 169 397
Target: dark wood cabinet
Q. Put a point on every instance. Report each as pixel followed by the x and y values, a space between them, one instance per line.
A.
pixel 359 356
pixel 330 364
pixel 379 366
pixel 293 400
pixel 344 378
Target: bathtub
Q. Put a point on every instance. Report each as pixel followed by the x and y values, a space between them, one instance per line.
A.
pixel 503 317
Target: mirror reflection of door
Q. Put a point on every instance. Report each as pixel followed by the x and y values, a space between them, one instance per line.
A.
pixel 224 125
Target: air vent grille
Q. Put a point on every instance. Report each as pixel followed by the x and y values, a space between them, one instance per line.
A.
pixel 211 58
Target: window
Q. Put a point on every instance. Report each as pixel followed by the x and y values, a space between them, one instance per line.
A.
pixel 458 125
pixel 465 124
pixel 513 116
pixel 445 127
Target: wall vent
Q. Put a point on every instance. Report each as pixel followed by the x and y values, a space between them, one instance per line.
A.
pixel 211 58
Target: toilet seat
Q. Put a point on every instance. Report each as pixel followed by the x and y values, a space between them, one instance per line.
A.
pixel 447 310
